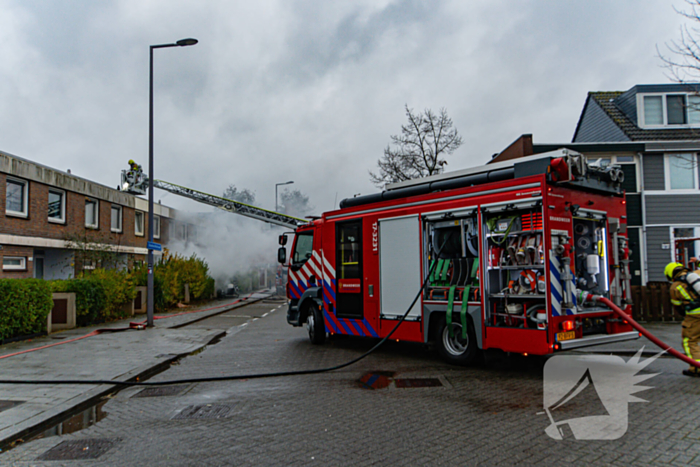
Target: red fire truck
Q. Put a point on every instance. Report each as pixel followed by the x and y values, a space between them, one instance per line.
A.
pixel 505 252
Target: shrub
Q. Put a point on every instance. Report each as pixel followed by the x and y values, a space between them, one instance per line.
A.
pixel 24 306
pixel 170 276
pixel 99 296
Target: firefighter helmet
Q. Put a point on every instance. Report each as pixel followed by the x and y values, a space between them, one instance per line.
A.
pixel 670 267
pixel 131 162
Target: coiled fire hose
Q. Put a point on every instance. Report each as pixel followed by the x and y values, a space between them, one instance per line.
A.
pixel 662 345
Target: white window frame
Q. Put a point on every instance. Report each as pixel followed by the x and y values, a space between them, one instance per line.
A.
pixel 667 174
pixel 10 267
pixel 664 110
pixel 121 215
pixel 696 233
pixel 143 224
pixel 156 226
pixel 25 198
pixel 96 203
pixel 62 219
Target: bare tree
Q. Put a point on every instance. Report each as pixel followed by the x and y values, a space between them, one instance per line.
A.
pixel 295 203
pixel 420 148
pixel 242 196
pixel 684 59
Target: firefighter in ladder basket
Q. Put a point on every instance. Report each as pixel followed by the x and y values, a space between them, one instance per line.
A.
pixel 685 298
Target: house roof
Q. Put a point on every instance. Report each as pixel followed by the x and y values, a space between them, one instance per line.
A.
pixel 609 102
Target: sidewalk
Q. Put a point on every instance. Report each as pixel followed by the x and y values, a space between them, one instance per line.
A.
pixel 121 356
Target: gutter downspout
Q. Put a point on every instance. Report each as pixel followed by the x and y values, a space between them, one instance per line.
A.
pixel 645 268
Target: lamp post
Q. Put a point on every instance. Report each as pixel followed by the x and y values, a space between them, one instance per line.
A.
pixel 276 185
pixel 149 309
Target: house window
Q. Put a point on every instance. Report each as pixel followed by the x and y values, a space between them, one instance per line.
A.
pixel 91 213
pixel 156 226
pixel 675 106
pixel 681 171
pixel 116 224
pixel 670 109
pixel 694 110
pixel 16 197
pixel 14 263
pixel 685 250
pixel 138 223
pixel 653 110
pixel 57 206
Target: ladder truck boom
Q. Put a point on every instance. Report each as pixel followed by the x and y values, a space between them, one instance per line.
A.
pixel 136 182
pixel 232 206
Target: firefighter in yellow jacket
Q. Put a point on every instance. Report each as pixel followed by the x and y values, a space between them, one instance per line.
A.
pixel 686 302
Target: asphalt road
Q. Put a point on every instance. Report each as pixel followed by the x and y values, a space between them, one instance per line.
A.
pixel 487 414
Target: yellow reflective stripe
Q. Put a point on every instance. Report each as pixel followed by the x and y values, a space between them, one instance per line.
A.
pixel 676 302
pixel 685 293
pixel 693 312
pixel 686 347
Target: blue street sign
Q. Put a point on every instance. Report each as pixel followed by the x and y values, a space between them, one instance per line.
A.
pixel 154 246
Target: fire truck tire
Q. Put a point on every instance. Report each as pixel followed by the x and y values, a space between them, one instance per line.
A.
pixel 315 326
pixel 455 349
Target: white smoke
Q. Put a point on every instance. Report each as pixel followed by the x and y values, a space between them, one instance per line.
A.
pixel 229 243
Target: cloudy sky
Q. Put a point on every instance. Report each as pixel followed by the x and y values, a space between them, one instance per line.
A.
pixel 305 90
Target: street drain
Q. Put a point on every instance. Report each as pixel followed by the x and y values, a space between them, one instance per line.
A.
pixel 162 391
pixel 417 383
pixel 201 412
pixel 376 379
pixel 78 449
pixel 6 405
pixel 77 422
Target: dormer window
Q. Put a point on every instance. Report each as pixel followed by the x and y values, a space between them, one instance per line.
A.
pixel 669 110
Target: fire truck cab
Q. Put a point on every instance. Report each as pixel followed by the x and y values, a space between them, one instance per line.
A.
pixel 500 254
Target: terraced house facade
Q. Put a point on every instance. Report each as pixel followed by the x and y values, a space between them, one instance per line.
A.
pixel 659 124
pixel 54 224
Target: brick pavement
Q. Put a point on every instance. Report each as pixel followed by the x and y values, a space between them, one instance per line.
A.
pixel 486 415
pixel 106 356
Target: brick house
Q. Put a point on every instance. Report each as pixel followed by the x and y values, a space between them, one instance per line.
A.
pixel 48 217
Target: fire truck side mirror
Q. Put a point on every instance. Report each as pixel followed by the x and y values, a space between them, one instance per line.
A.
pixel 283 240
pixel 282 255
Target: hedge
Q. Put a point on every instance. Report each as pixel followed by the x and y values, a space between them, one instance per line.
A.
pixel 99 296
pixel 24 306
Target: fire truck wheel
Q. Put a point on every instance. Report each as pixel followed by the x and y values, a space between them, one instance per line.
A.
pixel 315 326
pixel 455 349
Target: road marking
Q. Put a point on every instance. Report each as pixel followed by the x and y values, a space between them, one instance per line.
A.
pixel 244 324
pixel 266 313
pixel 255 319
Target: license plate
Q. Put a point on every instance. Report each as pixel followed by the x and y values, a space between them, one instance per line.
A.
pixel 565 336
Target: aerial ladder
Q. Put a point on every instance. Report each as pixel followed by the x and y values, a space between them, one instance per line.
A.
pixel 134 181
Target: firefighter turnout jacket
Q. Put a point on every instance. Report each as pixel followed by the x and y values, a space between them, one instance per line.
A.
pixel 686 302
pixel 683 297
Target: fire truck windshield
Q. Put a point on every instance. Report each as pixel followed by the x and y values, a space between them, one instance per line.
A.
pixel 303 247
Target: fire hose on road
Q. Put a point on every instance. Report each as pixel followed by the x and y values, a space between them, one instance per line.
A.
pixel 662 345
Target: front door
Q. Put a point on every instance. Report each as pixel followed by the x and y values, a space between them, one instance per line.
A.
pixel 38 267
pixel 348 260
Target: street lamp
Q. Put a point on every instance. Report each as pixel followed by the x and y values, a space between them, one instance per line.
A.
pixel 276 185
pixel 149 309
